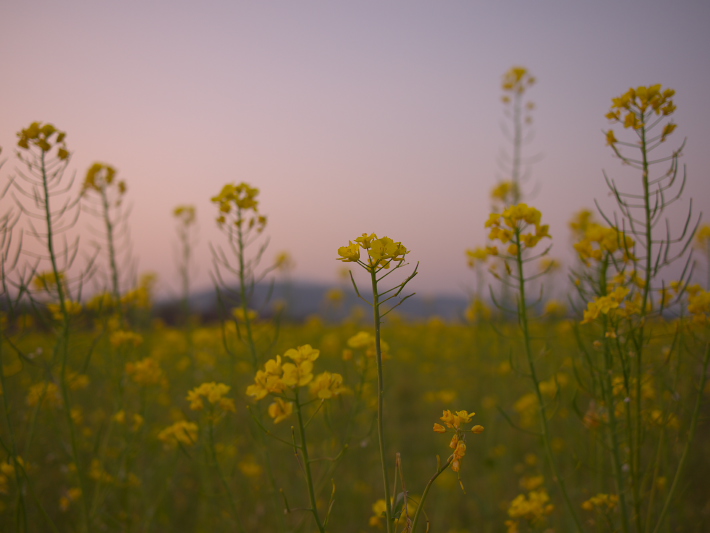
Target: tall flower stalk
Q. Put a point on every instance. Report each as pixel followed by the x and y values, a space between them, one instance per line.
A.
pixel 384 256
pixel 520 228
pixel 45 157
pixel 239 218
pixel 103 197
pixel 628 295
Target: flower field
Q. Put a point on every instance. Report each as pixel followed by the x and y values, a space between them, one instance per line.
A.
pixel 528 414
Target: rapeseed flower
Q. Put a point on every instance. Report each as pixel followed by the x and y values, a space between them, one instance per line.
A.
pixel 43 136
pixel 509 227
pixel 454 422
pixel 214 393
pixel 533 508
pixel 182 432
pixel 381 252
pixel 280 410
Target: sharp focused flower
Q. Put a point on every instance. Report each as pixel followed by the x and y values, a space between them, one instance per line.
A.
pixel 349 253
pixel 381 252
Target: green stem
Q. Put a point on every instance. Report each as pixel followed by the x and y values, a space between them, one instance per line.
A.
pixel 307 465
pixel 22 511
pixel 380 398
pixel 63 344
pixel 533 374
pixel 691 433
pixel 111 248
pixel 420 506
pixel 223 480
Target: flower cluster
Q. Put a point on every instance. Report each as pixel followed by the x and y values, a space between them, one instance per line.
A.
pixel 702 237
pixel 142 296
pixel 698 304
pixel 125 337
pixel 634 108
pixel 505 191
pixel 72 308
pixel 363 340
pixel 242 199
pixel 601 502
pixel 278 377
pixel 146 372
pixel 47 281
pixel 605 304
pixel 214 393
pixel 600 241
pixel 458 441
pixel 185 214
pixel 517 80
pixel 532 508
pixel 510 225
pixel 181 432
pixel 99 177
pixel 41 135
pixel 480 255
pixel 381 252
pixel 242 316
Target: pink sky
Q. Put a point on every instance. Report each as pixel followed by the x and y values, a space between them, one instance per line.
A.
pixel 350 117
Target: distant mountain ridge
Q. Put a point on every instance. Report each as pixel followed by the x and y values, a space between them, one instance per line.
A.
pixel 303 299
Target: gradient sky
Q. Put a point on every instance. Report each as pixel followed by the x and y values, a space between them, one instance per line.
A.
pixel 350 116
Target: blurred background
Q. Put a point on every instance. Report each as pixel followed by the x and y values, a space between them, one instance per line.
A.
pixel 350 117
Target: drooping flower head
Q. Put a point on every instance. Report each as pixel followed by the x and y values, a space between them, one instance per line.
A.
pixel 454 422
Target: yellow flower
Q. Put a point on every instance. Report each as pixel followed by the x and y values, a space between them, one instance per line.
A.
pixel 517 79
pixel 601 502
pixel 41 136
pixel 458 441
pixel 350 253
pixel 280 410
pixel 145 372
pixel 379 510
pixel 512 222
pixel 99 177
pixel 381 252
pixel 121 338
pixel 327 385
pixel 47 281
pixel 241 316
pixel 533 508
pixel 361 340
pixel 605 304
pixel 180 432
pixel 215 393
pixel 302 353
pixel 702 237
pixel 45 392
pixel 185 214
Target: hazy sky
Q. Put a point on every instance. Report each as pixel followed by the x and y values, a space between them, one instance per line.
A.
pixel 350 116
